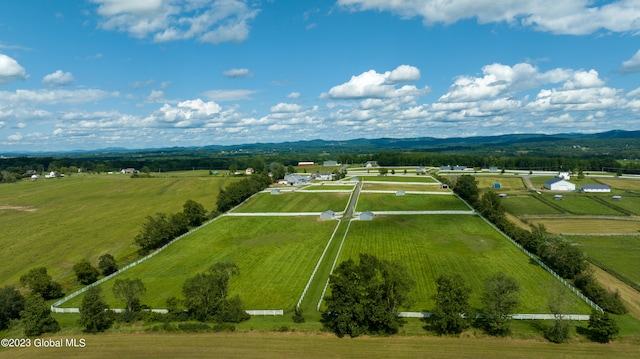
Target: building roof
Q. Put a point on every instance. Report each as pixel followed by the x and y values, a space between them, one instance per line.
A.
pixel 595 186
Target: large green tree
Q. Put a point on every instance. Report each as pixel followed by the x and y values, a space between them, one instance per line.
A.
pixel 366 297
pixel 36 317
pixel 206 295
pixel 107 264
pixel 85 272
pixel 603 328
pixel 11 304
pixel 129 291
pixel 499 299
pixel 452 313
pixel 41 283
pixel 195 213
pixel 467 188
pixel 95 315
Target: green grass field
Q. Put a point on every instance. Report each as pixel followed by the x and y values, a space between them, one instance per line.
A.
pixel 276 256
pixel 587 225
pixel 397 178
pixel 431 245
pixel 295 202
pixel 630 203
pixel 621 253
pixel 408 202
pixel 506 183
pixel 580 203
pixel 525 204
pixel 621 183
pixel 330 187
pixel 418 187
pixel 57 222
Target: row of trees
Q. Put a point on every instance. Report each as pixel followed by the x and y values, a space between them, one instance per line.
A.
pixel 160 229
pixel 367 296
pixel 554 250
pixel 236 192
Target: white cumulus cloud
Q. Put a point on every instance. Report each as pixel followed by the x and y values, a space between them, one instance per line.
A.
pixel 372 84
pixel 10 70
pixel 237 73
pixel 631 65
pixel 58 78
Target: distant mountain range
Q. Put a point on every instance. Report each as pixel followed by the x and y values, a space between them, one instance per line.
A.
pixel 512 142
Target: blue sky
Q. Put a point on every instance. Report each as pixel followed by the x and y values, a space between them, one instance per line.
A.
pixel 157 73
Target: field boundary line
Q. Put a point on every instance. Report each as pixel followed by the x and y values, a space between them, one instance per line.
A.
pixel 306 288
pixel 576 317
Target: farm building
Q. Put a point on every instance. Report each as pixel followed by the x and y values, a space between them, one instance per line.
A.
pixel 493 169
pixel 564 175
pixel 459 168
pixel 248 171
pixel 366 216
pixel 558 184
pixel 497 185
pixel 503 195
pixel 275 191
pixel 296 180
pixel 330 163
pixel 327 215
pixel 616 198
pixel 595 188
pixel 370 164
pixel 400 193
pixel 128 170
pixel 324 176
pixel 445 168
pixel 306 163
pixel 421 169
pixel 557 197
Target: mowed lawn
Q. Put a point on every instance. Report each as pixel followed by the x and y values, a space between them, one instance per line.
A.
pixel 506 183
pixel 409 202
pixel 620 253
pixel 621 183
pixel 295 202
pixel 58 222
pixel 398 178
pixel 587 225
pixel 431 245
pixel 627 202
pixel 276 256
pixel 414 186
pixel 580 203
pixel 524 204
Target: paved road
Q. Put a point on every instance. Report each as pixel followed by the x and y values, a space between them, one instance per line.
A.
pixel 352 204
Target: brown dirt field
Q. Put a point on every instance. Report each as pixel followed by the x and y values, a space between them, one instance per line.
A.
pixel 313 345
pixel 630 296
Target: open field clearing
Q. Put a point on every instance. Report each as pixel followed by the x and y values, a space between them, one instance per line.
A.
pixel 432 245
pixel 422 187
pixel 398 178
pixel 409 202
pixel 587 225
pixel 627 202
pixel 330 187
pixel 276 256
pixel 506 183
pixel 295 202
pixel 629 296
pixel 620 253
pixel 621 183
pixel 525 204
pixel 85 216
pixel 580 203
pixel 267 345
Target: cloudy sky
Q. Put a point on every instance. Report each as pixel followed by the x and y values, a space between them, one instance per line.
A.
pixel 91 74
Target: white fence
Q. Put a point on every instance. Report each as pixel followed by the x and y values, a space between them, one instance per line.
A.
pixel 577 317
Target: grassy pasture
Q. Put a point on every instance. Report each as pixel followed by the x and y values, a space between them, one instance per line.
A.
pixel 521 205
pixel 397 178
pixel 431 245
pixel 506 183
pixel 330 187
pixel 424 187
pixel 581 204
pixel 85 216
pixel 587 225
pixel 621 183
pixel 620 253
pixel 276 256
pixel 295 202
pixel 408 202
pixel 630 203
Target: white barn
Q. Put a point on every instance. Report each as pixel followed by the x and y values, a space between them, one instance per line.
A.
pixel 595 188
pixel 559 184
